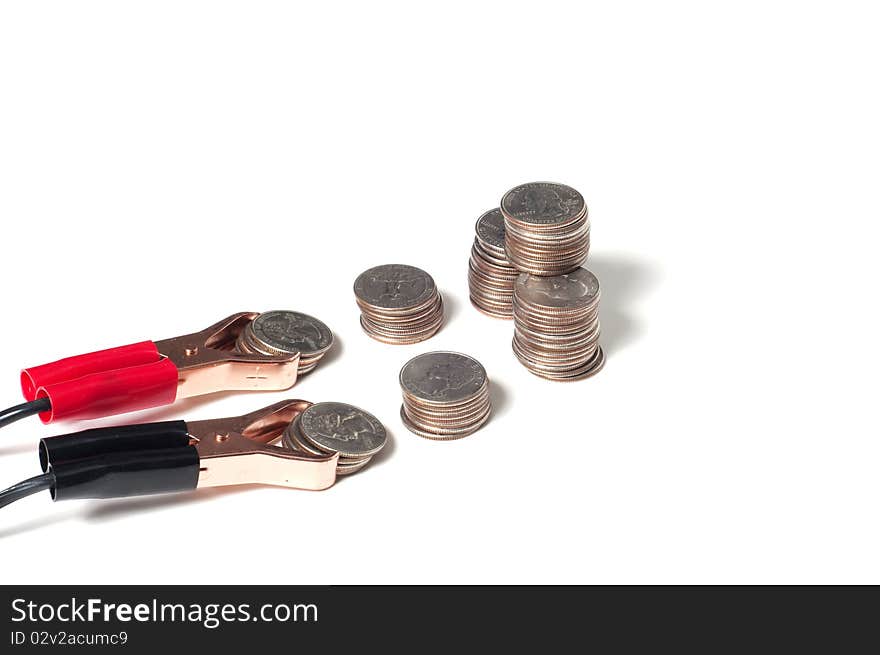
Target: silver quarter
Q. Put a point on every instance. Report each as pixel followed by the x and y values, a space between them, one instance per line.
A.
pixel 546 228
pixel 556 325
pixel 445 395
pixel 399 304
pixel 443 377
pixel 543 203
pixel 490 228
pixel 438 436
pixel 572 290
pixel 394 286
pixel 490 273
pixel 342 428
pixel 288 332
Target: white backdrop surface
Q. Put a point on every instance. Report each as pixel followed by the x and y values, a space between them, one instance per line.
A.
pixel 165 164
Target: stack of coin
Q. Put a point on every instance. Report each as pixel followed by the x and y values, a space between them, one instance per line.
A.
pixel 547 228
pixel 399 304
pixel 556 324
pixel 328 428
pixel 445 395
pixel 285 333
pixel 490 275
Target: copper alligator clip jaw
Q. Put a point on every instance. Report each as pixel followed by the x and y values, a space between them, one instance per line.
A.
pixel 207 362
pixel 238 450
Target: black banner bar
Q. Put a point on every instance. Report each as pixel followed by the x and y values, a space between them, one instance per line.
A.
pixel 141 619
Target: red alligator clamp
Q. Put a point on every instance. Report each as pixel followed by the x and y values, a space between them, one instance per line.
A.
pixel 150 374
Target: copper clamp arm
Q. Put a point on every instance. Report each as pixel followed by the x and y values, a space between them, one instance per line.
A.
pixel 207 362
pixel 239 450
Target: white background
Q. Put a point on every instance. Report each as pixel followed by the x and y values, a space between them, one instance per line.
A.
pixel 165 164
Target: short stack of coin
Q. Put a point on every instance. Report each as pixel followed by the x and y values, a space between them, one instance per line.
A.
pixel 284 333
pixel 490 274
pixel 399 304
pixel 445 395
pixel 556 323
pixel 547 228
pixel 328 428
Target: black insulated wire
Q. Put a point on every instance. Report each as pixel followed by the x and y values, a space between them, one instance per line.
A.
pixel 24 410
pixel 26 488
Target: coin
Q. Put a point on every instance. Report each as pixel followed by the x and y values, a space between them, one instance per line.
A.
pixel 543 203
pixel 343 429
pixel 445 395
pixel 575 290
pixel 434 434
pixel 332 427
pixel 586 370
pixel 399 303
pixel 283 332
pixel 490 274
pixel 442 377
pixel 394 286
pixel 547 228
pixel 556 325
pixel 490 230
pixel 290 332
pixel 348 469
pixel 293 440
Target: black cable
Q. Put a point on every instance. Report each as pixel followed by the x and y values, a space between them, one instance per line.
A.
pixel 24 410
pixel 26 488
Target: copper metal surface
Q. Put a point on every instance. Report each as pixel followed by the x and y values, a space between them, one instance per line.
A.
pixel 207 361
pixel 239 450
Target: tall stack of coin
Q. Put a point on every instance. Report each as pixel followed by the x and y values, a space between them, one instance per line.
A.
pixel 399 304
pixel 490 275
pixel 445 395
pixel 285 332
pixel 547 228
pixel 556 324
pixel 328 428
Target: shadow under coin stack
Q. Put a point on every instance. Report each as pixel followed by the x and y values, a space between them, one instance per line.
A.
pixel 399 304
pixel 556 333
pixel 490 275
pixel 286 332
pixel 547 228
pixel 328 428
pixel 445 395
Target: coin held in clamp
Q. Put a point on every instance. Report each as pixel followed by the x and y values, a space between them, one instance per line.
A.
pixel 329 428
pixel 284 332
